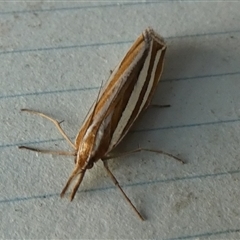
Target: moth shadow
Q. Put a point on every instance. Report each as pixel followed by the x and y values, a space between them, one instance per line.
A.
pixel 186 64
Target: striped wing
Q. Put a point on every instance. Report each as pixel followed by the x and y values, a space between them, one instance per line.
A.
pixel 126 94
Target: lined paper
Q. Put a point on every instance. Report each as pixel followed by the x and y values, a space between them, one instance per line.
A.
pixel 54 57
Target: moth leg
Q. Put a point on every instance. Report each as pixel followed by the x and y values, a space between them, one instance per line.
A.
pixel 48 151
pixel 119 187
pixel 146 150
pixel 150 105
pixel 55 122
pixel 160 106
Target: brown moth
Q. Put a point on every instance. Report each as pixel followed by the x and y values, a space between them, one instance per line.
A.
pixel 126 94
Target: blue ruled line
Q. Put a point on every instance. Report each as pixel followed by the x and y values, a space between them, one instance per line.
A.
pixel 207 234
pixel 134 131
pixel 97 87
pixel 63 47
pixel 110 43
pixel 48 92
pixel 77 8
pixel 159 181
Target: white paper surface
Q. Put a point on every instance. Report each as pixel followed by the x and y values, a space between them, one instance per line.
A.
pixel 53 58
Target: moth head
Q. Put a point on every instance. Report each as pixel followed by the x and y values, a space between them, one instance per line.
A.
pixel 84 161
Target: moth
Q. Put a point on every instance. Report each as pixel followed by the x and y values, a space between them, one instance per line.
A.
pixel 126 94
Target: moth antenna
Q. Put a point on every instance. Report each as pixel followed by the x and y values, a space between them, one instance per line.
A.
pixel 95 104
